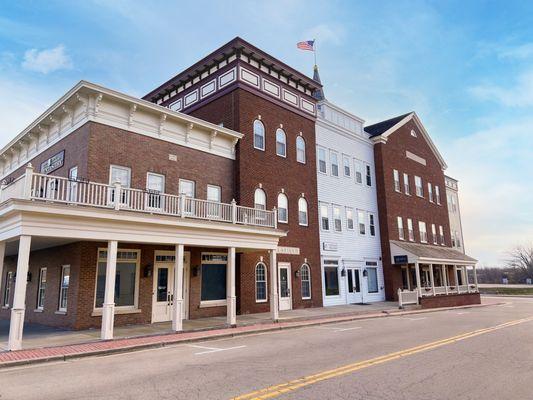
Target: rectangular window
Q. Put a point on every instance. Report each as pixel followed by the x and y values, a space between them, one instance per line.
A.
pixel 358 166
pixel 42 289
pixel 331 277
pixel 362 222
pixel 123 176
pixel 334 159
pixel 437 195
pixel 410 229
pixel 441 233
pixel 155 185
pixel 73 184
pixel 434 233
pixel 372 275
pixel 396 176
pixel 214 277
pixel 454 204
pixel 346 166
pixel 322 163
pixel 337 220
pixel 63 288
pixel 423 232
pixel 324 217
pixel 406 187
pixel 126 278
pixel 430 192
pixel 349 218
pixel 418 187
pixel 457 240
pixel 260 283
pixel 368 176
pixel 372 224
pixel 214 193
pixel 401 234
pixel 187 188
pixel 7 288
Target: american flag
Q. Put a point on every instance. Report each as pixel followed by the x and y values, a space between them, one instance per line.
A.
pixel 306 45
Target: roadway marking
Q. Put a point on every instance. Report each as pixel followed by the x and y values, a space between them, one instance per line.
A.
pixel 410 319
pixel 212 349
pixel 461 313
pixel 278 390
pixel 338 329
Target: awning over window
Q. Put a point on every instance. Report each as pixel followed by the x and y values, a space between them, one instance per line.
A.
pixel 408 253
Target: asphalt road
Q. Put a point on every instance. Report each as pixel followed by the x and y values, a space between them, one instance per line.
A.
pixel 481 353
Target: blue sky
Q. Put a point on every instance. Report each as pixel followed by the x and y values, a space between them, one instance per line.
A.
pixel 466 68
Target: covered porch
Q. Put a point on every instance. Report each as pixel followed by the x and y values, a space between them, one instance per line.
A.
pixel 430 271
pixel 111 275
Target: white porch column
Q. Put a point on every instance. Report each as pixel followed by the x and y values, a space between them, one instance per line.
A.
pixel 230 289
pixel 466 279
pixel 274 300
pixel 2 254
pixel 108 309
pixel 456 275
pixel 418 284
pixel 445 277
pixel 408 278
pixel 16 324
pixel 475 278
pixel 432 278
pixel 177 311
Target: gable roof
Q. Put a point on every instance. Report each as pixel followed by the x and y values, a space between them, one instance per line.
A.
pixel 382 130
pixel 383 126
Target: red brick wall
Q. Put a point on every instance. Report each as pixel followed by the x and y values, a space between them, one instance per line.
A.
pixel 452 300
pixel 238 110
pixel 109 145
pixel 392 204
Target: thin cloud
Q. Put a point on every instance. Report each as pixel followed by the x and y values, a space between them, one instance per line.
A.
pixel 518 95
pixel 48 60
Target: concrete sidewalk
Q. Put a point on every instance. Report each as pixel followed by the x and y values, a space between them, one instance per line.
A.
pixel 62 353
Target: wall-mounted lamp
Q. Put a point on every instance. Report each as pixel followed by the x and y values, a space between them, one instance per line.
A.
pixel 365 272
pixel 195 270
pixel 148 270
pixel 343 271
pixel 297 273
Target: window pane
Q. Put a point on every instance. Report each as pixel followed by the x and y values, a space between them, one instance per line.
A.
pixel 331 280
pixel 259 135
pixel 213 193
pixel 372 280
pixel 213 282
pixel 280 143
pixel 300 149
pixel 162 284
pixel 124 284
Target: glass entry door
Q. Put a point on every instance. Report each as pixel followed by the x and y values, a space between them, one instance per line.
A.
pixel 353 279
pixel 285 299
pixel 163 292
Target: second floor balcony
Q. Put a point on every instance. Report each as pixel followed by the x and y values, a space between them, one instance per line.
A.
pixel 79 192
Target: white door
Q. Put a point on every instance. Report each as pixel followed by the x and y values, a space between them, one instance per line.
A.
pixel 285 298
pixel 353 280
pixel 163 293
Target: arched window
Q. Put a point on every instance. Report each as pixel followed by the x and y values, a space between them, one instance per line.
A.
pixel 281 143
pixel 260 199
pixel 283 208
pixel 305 274
pixel 260 283
pixel 259 135
pixel 302 212
pixel 300 149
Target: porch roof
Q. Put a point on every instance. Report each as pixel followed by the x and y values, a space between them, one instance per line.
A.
pixel 429 253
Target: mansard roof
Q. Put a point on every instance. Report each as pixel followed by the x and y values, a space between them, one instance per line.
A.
pixel 234 46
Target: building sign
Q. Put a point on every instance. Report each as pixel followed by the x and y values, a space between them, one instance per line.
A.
pixel 330 246
pixel 295 251
pixel 400 259
pixel 53 163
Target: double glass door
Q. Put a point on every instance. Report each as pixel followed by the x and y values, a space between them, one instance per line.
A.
pixel 353 278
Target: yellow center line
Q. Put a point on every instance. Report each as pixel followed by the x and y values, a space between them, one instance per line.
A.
pixel 277 390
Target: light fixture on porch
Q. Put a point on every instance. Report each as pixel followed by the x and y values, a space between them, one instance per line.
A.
pixel 148 270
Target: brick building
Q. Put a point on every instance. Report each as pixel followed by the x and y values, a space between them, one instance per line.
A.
pixel 418 257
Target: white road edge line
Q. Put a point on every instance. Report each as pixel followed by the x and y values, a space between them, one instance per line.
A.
pixel 218 350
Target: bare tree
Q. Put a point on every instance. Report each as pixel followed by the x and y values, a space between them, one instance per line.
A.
pixel 521 258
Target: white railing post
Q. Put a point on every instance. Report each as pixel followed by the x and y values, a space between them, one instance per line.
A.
pixel 418 283
pixel 28 181
pixel 400 298
pixel 456 273
pixel 466 279
pixel 182 206
pixel 118 194
pixel 432 279
pixel 445 277
pixel 475 278
pixel 275 212
pixel 233 211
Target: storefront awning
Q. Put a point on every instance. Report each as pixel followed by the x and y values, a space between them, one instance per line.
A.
pixel 408 253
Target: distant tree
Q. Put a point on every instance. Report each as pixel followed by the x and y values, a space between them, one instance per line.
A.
pixel 521 259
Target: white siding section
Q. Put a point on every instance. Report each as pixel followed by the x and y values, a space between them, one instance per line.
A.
pixel 341 132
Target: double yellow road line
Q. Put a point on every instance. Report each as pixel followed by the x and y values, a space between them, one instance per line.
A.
pixel 278 390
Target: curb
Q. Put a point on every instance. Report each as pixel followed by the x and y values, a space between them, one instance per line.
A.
pixel 253 329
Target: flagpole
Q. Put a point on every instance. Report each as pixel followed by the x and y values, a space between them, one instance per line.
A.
pixel 314 49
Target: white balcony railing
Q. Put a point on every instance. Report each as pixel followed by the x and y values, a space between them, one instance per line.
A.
pixel 34 186
pixel 406 297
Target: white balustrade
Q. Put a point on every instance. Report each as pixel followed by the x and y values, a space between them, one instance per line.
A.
pixel 81 192
pixel 406 297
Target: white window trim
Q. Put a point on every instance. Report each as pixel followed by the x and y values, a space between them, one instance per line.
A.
pixel 188 181
pixel 344 158
pixel 219 188
pixel 356 163
pixel 264 135
pixel 364 223
pixel 284 143
pixel 421 187
pixel 425 231
pixel 401 233
pixel 300 138
pixel 119 167
pixel 286 221
pixel 306 211
pixel 64 309
pixel 368 168
pixel 373 215
pixel 325 160
pixel 265 197
pixel 39 287
pixel 396 174
pixel 329 220
pixel 135 307
pixel 337 266
pixel 334 206
pixel 212 303
pixel 353 220
pixel 266 283
pixel 406 184
pixel 331 164
pixel 301 280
